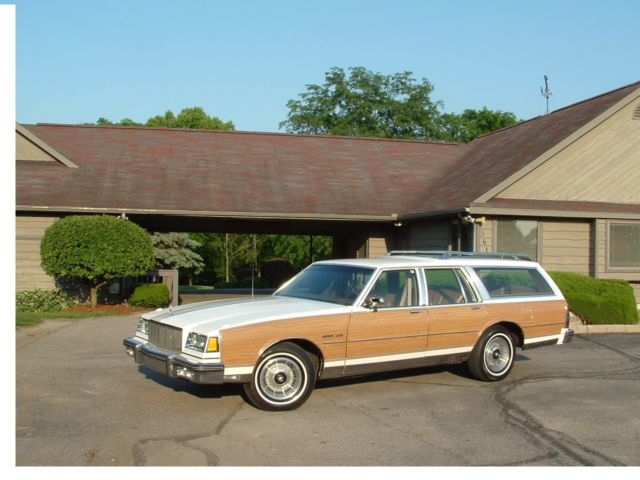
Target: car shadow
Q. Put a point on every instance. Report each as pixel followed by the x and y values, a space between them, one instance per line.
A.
pixel 233 389
pixel 195 389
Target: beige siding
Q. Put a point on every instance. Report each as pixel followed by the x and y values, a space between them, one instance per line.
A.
pixel 485 241
pixel 29 273
pixel 429 236
pixel 601 166
pixel 27 150
pixel 377 247
pixel 567 246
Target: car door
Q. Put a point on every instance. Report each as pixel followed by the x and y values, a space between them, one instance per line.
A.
pixel 455 313
pixel 392 334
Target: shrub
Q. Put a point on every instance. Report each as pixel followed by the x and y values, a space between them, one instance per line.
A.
pixel 150 295
pixel 40 300
pixel 598 301
pixel 95 249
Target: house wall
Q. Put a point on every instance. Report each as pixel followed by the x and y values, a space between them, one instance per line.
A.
pixel 567 246
pixel 29 232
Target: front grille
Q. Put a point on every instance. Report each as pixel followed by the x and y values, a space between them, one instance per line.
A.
pixel 165 336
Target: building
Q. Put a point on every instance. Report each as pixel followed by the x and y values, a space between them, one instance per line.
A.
pixel 563 188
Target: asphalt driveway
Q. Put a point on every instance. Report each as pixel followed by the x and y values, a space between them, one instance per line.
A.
pixel 81 401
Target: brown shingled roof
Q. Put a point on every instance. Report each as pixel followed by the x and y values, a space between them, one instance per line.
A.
pixel 249 175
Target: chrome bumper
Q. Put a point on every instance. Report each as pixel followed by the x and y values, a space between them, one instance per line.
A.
pixel 173 364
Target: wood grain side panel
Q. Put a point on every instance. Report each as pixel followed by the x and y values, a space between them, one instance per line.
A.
pixel 454 326
pixel 387 332
pixel 242 346
pixel 538 318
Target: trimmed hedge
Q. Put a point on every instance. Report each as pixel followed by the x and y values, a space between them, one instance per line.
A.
pixel 150 295
pixel 40 300
pixel 596 301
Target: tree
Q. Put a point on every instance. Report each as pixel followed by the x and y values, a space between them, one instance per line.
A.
pixel 177 251
pixel 474 123
pixel 366 104
pixel 193 117
pixel 95 249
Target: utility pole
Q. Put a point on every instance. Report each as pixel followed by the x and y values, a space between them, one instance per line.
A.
pixel 546 93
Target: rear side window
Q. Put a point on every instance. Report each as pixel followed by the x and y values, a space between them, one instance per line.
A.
pixel 446 286
pixel 513 282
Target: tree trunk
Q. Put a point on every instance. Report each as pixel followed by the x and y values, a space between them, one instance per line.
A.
pixel 94 293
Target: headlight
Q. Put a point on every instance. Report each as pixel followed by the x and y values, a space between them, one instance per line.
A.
pixel 143 326
pixel 198 342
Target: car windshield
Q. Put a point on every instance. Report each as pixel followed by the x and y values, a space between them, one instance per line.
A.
pixel 340 284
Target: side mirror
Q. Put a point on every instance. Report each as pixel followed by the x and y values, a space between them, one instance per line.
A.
pixel 374 302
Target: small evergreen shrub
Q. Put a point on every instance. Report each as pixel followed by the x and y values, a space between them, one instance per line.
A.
pixel 150 295
pixel 596 301
pixel 41 300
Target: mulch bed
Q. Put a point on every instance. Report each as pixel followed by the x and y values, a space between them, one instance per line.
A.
pixel 120 309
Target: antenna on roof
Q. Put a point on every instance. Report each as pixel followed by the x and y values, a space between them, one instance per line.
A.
pixel 546 93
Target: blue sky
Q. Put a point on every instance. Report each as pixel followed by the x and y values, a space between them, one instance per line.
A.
pixel 243 60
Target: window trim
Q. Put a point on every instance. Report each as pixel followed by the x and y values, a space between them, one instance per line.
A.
pixel 607 248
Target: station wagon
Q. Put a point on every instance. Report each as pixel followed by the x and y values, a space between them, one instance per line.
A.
pixel 339 318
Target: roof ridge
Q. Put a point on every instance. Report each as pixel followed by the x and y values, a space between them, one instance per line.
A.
pixel 243 132
pixel 559 109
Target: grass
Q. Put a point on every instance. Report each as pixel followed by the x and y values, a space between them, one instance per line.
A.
pixel 24 319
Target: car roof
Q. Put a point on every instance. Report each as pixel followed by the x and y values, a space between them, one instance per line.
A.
pixel 408 261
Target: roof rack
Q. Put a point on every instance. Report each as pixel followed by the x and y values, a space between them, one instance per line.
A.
pixel 459 254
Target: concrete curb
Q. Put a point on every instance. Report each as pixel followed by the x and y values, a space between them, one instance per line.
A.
pixel 581 329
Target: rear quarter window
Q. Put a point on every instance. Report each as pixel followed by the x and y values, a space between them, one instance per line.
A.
pixel 513 282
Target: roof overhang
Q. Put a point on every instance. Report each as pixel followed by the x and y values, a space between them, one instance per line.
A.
pixel 210 214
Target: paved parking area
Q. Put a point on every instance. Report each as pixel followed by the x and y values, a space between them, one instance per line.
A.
pixel 81 401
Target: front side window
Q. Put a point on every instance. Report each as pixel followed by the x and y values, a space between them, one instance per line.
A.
pixel 513 282
pixel 624 245
pixel 447 286
pixel 518 236
pixel 398 288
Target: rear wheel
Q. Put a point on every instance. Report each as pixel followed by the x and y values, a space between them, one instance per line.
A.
pixel 283 378
pixel 492 357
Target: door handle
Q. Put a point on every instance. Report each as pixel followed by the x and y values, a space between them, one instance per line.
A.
pixel 476 307
pixel 414 310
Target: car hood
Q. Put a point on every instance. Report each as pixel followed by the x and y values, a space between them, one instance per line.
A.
pixel 208 317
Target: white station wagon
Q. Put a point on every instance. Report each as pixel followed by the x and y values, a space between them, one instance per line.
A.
pixel 340 318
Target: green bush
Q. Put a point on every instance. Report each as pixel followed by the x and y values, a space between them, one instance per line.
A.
pixel 40 300
pixel 95 249
pixel 150 295
pixel 596 301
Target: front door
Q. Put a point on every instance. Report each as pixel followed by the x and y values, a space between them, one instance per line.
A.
pixel 392 334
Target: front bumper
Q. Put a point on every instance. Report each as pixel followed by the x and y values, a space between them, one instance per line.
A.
pixel 173 364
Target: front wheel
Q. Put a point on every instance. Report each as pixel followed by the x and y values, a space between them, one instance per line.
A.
pixel 492 357
pixel 283 378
